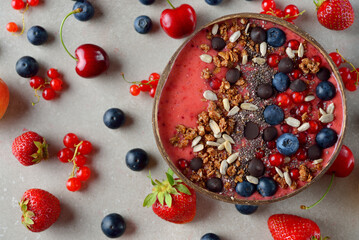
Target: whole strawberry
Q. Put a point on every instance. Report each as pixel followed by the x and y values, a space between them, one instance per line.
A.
pixel 172 200
pixel 30 148
pixel 335 14
pixel 40 209
pixel 291 227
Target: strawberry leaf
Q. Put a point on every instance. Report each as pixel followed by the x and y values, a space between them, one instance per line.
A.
pixel 168 199
pixel 172 191
pixel 161 197
pixel 170 179
pixel 183 189
pixel 170 172
pixel 150 177
pixel 150 200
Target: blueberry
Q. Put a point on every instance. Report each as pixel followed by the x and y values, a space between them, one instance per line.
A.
pixel 136 159
pixel 281 82
pixel 267 186
pixel 147 2
pixel 275 37
pixel 213 2
pixel 273 115
pixel 37 35
pixel 114 118
pixel 87 10
pixel 245 189
pixel 143 24
pixel 326 137
pixel 325 91
pixel 246 209
pixel 27 67
pixel 113 225
pixel 210 236
pixel 287 144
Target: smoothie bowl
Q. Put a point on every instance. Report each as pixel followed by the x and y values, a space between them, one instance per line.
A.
pixel 249 110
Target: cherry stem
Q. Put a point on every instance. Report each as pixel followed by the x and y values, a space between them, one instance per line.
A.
pixel 62 24
pixel 73 159
pixel 140 83
pixel 354 69
pixel 170 4
pixel 326 192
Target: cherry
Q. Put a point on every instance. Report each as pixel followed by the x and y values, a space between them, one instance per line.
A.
pixel 298 97
pixel 153 92
pixel 343 164
pixel 12 27
pixel 296 74
pixel 271 144
pixel 85 147
pixel 276 159
pixel 83 173
pixel 291 12
pixel 64 155
pixel 301 154
pixel 134 90
pixel 80 160
pixel 215 83
pixel 70 140
pixel 73 184
pixel 285 128
pixel 154 76
pixel 48 94
pixel 36 82
pixel 293 44
pixel 283 100
pixel 53 73
pixel 33 3
pixel 56 84
pixel 337 59
pixel 268 5
pixel 273 60
pixel 294 174
pixel 182 163
pixel 144 86
pixel 313 127
pixel 302 138
pixel 17 4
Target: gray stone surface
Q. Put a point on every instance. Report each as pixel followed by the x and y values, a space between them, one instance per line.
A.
pixel 79 109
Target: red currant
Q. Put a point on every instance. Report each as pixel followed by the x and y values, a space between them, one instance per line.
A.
pixel 80 160
pixel 302 138
pixel 291 12
pixel 154 76
pixel 285 128
pixel 17 4
pixel 294 174
pixel 36 82
pixel 215 83
pixel 309 76
pixel 64 155
pixel 279 13
pixel 154 83
pixel 85 148
pixel 48 94
pixel 260 154
pixel 283 100
pixel 317 59
pixel 153 92
pixel 73 184
pixel 183 163
pixel 350 86
pixel 33 3
pixel 303 108
pixel 144 86
pixel 56 84
pixel 268 5
pixel 135 90
pixel 293 44
pixel 53 73
pixel 83 173
pixel 296 74
pixel 313 127
pixel 271 144
pixel 298 97
pixel 345 74
pixel 276 159
pixel 12 27
pixel 301 154
pixel 70 140
pixel 273 60
pixel 337 59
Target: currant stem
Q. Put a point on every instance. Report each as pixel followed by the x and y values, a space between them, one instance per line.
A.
pixel 297 15
pixel 22 20
pixel 140 83
pixel 329 187
pixel 354 69
pixel 62 24
pixel 37 96
pixel 170 4
pixel 73 159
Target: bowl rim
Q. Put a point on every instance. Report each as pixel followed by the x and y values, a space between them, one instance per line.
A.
pixel 167 71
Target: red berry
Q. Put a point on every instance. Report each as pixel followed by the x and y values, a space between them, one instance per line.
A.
pixel 70 140
pixel 285 128
pixel 53 73
pixel 293 44
pixel 80 160
pixel 317 59
pixel 64 155
pixel 279 13
pixel 215 83
pixel 302 138
pixel 56 84
pixel 309 76
pixel 350 86
pixel 154 76
pixel 135 90
pixel 260 154
pixel 271 144
pixel 154 83
pixel 345 74
pixel 291 12
pixel 313 127
pixel 36 82
pixel 298 97
pixel 296 74
pixel 33 3
pixel 268 5
pixel 73 184
pixel 337 59
pixel 303 108
pixel 17 4
pixel 48 94
pixel 85 148
pixel 83 173
pixel 183 163
pixel 294 174
pixel 144 86
pixel 276 159
pixel 283 100
pixel 273 60
pixel 153 92
pixel 12 27
pixel 301 154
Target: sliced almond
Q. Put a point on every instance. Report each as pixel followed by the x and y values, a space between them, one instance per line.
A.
pixel 304 127
pixel 214 127
pixel 317 161
pixel 213 144
pixel 300 52
pixel 244 59
pixel 327 118
pixel 247 28
pixel 290 52
pixel 198 148
pixel 252 179
pixel 226 104
pixel 249 107
pixel 215 29
pixel 228 138
pixel 259 60
pixel 228 147
pixel 234 37
pixel 209 95
pixel 232 158
pixel 196 140
pixel 221 147
pixel 223 167
pixel 206 58
pixel 280 173
pixel 330 108
pixel 309 98
pixel 293 122
pixel 233 111
pixel 263 48
pixel 287 179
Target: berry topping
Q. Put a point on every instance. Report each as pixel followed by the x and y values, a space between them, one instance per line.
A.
pixel 256 167
pixel 283 100
pixel 196 164
pixel 137 159
pixel 287 144
pixel 113 225
pixel 37 35
pixel 218 43
pixel 182 163
pixel 143 24
pixel 233 75
pixel 87 11
pixel 294 174
pixel 273 60
pixel 314 152
pixel 325 91
pixel 267 187
pixel 251 131
pixel 273 115
pixel 246 209
pixel 326 138
pixel 270 134
pixel 214 184
pixel 265 91
pixel 275 37
pixel 293 44
pixel 281 82
pixel 258 35
pixel 27 67
pixel 298 86
pixel 276 159
pixel 215 83
pixel 114 118
pixel 286 65
pixel 245 189
pixel 301 154
pixel 298 97
pixel 323 74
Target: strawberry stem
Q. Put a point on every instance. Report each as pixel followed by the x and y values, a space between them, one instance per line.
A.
pixel 329 187
pixel 170 4
pixel 318 3
pixel 352 65
pixel 62 25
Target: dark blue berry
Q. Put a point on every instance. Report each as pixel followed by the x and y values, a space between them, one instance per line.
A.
pixel 213 2
pixel 136 159
pixel 287 144
pixel 245 189
pixel 246 209
pixel 281 82
pixel 143 24
pixel 273 115
pixel 113 225
pixel 210 236
pixel 147 2
pixel 87 10
pixel 114 118
pixel 275 37
pixel 27 67
pixel 326 137
pixel 267 187
pixel 325 91
pixel 37 35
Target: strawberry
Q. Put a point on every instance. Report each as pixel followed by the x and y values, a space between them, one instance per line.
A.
pixel 335 14
pixel 30 148
pixel 172 200
pixel 291 227
pixel 40 209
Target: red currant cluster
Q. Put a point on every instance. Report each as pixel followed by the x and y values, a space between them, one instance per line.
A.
pixel 149 85
pixel 350 77
pixel 80 172
pixel 49 88
pixel 290 12
pixel 20 5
